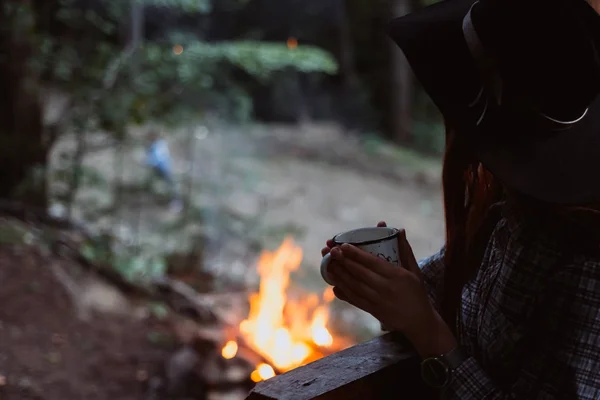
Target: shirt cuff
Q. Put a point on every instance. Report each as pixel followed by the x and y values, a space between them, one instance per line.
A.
pixel 469 381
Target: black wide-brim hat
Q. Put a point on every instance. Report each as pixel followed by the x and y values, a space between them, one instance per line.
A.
pixel 522 78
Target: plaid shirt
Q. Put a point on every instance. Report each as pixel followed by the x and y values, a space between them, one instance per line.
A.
pixel 530 319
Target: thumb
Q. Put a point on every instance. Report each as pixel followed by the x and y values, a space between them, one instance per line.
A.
pixel 407 257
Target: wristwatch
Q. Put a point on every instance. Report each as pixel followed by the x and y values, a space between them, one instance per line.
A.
pixel 437 371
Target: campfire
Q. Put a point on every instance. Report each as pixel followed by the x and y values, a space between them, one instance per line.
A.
pixel 286 332
pixel 235 346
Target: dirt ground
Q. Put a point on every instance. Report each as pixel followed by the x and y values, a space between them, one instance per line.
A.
pixel 48 353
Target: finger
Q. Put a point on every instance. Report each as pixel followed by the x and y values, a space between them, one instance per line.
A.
pixel 332 267
pixel 362 257
pixel 330 243
pixel 339 293
pixel 349 280
pixel 350 296
pixel 381 224
pixel 364 275
pixel 325 251
pixel 407 256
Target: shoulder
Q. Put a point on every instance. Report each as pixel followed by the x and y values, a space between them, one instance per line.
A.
pixel 526 273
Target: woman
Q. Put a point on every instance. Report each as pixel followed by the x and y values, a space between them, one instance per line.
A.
pixel 510 307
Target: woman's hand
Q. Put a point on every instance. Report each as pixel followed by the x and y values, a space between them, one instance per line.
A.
pixel 395 296
pixel 330 245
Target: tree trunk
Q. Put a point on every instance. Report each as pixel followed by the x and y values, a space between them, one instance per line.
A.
pixel 23 147
pixel 137 24
pixel 347 58
pixel 401 84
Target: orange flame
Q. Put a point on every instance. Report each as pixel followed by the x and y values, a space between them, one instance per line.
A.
pixel 230 350
pixel 286 332
pixel 262 372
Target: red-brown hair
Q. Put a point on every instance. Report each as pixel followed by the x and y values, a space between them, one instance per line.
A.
pixel 469 191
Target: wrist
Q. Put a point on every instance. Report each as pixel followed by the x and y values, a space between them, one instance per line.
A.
pixel 433 338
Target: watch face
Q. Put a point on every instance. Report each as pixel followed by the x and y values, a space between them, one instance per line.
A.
pixel 435 372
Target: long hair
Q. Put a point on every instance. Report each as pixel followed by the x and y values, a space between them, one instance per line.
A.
pixel 469 191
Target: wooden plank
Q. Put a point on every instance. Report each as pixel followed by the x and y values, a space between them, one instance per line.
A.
pixel 383 368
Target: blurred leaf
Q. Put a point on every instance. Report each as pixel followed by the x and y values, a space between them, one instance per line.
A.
pixel 167 83
pixel 89 252
pixel 11 234
pixel 156 267
pixel 159 310
pixel 261 59
pixel 159 338
pixel 202 6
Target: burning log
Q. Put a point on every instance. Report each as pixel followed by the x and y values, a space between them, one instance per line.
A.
pixel 203 307
pixel 254 358
pixel 224 317
pixel 231 347
pixel 180 373
pixel 279 333
pixel 197 369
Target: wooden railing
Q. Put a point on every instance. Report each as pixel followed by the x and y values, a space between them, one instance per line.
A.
pixel 383 368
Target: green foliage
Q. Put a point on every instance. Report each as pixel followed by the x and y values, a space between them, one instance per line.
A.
pixel 111 85
pixel 140 267
pixel 429 136
pixel 89 176
pixel 159 310
pixel 169 82
pixel 13 233
pixel 410 159
pixel 126 260
pixel 201 6
pixel 261 59
pixel 20 15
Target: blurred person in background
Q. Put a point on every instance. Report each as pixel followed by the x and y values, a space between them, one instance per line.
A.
pixel 158 158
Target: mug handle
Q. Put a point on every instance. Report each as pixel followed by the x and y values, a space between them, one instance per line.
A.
pixel 324 264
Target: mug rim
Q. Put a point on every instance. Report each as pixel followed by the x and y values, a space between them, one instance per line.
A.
pixel 393 234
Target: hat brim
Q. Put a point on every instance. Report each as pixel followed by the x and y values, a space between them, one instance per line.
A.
pixel 557 167
pixel 432 41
